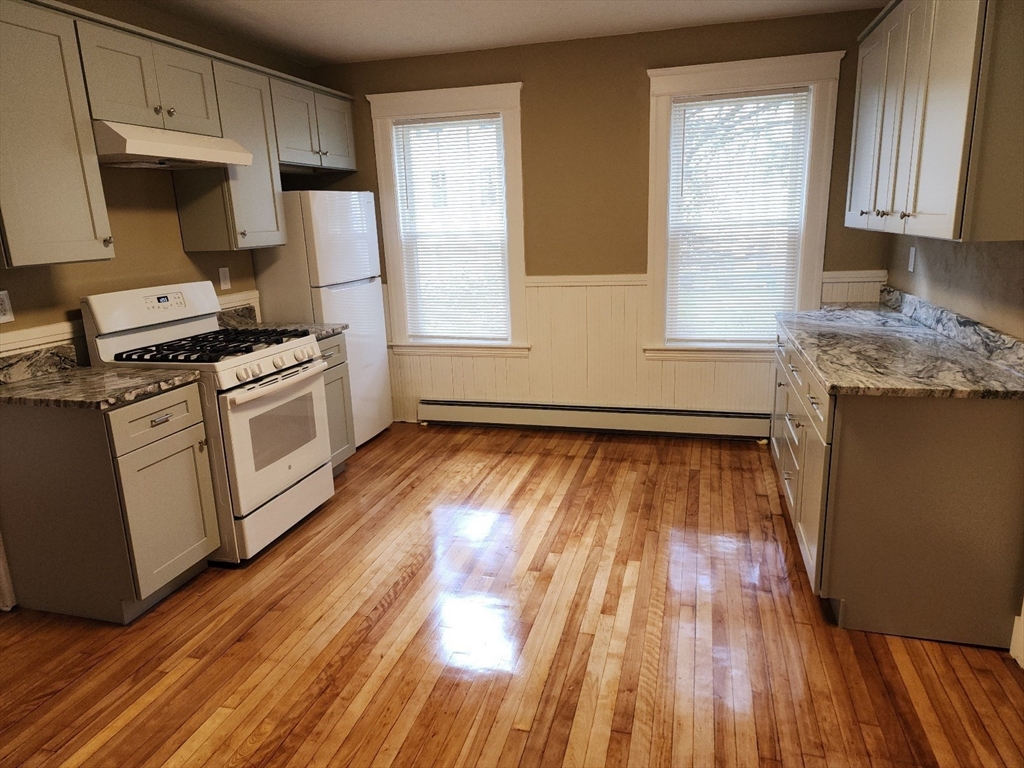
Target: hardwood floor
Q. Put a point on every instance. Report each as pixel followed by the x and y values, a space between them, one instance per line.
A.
pixel 501 597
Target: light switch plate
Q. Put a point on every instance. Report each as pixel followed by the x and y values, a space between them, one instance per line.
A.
pixel 913 259
pixel 6 310
pixel 225 278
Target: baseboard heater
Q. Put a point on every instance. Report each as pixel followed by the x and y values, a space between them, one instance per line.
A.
pixel 659 420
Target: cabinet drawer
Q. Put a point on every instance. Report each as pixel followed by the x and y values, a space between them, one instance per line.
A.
pixel 819 407
pixel 334 350
pixel 139 424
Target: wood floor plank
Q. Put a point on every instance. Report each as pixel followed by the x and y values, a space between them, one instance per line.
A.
pixel 475 596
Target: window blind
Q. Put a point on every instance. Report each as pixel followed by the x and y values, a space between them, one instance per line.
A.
pixel 737 184
pixel 450 181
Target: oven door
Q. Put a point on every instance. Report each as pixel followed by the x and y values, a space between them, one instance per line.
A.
pixel 275 433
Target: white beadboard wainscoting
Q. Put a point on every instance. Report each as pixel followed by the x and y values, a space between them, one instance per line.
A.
pixel 586 336
pixel 851 287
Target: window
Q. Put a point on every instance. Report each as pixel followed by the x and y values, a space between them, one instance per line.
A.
pixel 451 204
pixel 740 165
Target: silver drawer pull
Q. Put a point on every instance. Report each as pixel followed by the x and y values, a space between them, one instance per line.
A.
pixel 815 403
pixel 160 420
pixel 327 355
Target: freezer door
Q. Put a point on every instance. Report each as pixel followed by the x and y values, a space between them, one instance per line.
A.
pixel 341 236
pixel 361 305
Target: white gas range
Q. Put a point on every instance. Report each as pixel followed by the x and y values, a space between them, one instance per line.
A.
pixel 263 399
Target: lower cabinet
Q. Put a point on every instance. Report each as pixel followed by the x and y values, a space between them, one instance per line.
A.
pixel 168 507
pixel 105 513
pixel 908 511
pixel 801 457
pixel 339 402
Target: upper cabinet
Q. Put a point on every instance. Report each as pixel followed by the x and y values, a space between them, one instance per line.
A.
pixel 51 196
pixel 938 142
pixel 238 207
pixel 134 80
pixel 313 129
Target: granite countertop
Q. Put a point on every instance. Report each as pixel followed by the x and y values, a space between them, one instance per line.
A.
pixel 99 388
pixel 872 350
pixel 321 331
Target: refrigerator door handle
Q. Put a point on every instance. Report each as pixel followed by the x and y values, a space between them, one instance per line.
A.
pixel 351 284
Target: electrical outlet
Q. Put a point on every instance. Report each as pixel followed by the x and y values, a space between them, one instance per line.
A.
pixel 6 310
pixel 225 279
pixel 913 259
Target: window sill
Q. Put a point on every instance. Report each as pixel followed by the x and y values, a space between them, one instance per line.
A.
pixel 712 352
pixel 462 350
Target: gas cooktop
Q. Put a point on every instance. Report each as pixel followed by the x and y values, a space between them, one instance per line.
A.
pixel 210 347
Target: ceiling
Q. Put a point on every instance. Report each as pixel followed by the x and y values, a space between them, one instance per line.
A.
pixel 334 31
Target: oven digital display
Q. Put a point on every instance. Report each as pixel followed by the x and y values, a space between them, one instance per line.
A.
pixel 165 301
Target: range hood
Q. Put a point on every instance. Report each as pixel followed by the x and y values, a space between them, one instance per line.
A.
pixel 137 146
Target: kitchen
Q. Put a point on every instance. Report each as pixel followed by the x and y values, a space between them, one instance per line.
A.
pixel 444 584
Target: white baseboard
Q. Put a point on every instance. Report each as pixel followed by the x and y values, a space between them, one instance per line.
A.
pixel 589 417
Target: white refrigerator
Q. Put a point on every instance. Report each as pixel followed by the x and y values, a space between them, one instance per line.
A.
pixel 329 272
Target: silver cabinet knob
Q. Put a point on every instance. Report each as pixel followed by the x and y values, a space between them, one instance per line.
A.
pixel 904 215
pixel 108 241
pixel 158 109
pixel 243 233
pixel 171 111
pixel 881 214
pixel 865 213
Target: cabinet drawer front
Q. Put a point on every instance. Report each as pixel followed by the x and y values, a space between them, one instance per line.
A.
pixel 334 350
pixel 139 424
pixel 819 406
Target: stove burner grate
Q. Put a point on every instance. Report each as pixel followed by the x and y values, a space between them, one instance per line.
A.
pixel 210 347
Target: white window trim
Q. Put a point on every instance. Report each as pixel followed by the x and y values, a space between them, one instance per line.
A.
pixel 386 109
pixel 817 71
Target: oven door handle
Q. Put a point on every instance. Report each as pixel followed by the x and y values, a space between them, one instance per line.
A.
pixel 252 394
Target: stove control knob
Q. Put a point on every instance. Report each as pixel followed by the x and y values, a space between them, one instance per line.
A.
pixel 311 352
pixel 256 369
pixel 300 355
pixel 242 374
pixel 279 361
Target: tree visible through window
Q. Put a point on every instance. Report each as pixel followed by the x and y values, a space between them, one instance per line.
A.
pixel 737 185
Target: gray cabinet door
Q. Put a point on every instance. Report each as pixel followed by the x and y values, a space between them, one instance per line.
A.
pixel 255 190
pixel 120 74
pixel 810 520
pixel 51 196
pixel 187 92
pixel 298 141
pixel 339 413
pixel 334 124
pixel 169 509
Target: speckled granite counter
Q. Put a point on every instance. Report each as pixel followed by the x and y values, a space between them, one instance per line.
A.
pixel 245 317
pixel 873 350
pixel 100 388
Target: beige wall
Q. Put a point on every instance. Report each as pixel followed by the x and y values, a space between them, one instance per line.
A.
pixel 984 281
pixel 144 223
pixel 585 107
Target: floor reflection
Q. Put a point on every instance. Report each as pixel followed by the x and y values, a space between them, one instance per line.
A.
pixel 475 632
